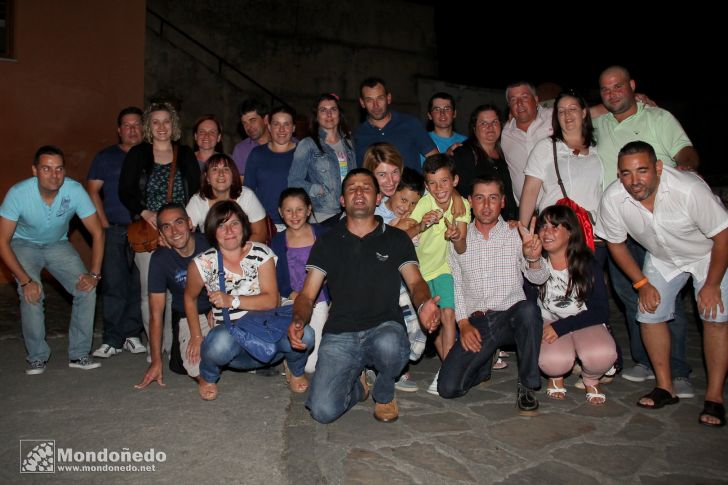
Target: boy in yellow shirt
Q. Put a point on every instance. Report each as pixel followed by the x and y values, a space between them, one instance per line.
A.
pixel 433 221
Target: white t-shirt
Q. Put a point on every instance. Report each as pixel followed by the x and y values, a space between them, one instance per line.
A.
pixel 197 208
pixel 556 304
pixel 581 175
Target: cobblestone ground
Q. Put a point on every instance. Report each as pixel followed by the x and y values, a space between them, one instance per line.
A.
pixel 258 432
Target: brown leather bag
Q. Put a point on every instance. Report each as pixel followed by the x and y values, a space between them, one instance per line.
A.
pixel 142 236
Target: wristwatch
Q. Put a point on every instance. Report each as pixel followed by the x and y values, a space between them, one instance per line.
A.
pixel 236 303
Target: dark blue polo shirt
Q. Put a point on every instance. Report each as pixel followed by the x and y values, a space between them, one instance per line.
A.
pixel 403 131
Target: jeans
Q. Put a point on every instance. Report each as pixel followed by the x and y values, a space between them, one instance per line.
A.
pixel 628 295
pixel 142 261
pixel 520 324
pixel 343 356
pixel 220 349
pixel 120 290
pixel 63 262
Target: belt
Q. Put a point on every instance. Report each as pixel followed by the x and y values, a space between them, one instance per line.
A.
pixel 480 314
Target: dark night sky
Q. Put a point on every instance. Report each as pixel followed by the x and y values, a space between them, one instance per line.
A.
pixel 678 64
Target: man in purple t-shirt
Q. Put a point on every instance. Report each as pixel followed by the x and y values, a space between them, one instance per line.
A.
pixel 254 118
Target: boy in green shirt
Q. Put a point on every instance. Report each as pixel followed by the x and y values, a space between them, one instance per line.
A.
pixel 433 222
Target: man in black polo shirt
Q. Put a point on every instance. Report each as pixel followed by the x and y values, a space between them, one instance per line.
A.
pixel 364 261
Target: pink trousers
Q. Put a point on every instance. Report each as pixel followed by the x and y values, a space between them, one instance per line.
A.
pixel 593 346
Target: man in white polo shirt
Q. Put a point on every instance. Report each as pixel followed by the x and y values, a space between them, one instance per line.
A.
pixel 684 228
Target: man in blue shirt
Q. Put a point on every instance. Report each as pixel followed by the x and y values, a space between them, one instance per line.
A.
pixel 403 131
pixel 442 113
pixel 34 220
pixel 121 288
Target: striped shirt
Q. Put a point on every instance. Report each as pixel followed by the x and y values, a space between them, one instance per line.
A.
pixel 489 274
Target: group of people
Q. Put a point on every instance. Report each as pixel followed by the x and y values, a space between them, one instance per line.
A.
pixel 368 235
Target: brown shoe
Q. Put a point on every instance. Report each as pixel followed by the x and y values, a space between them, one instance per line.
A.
pixel 386 413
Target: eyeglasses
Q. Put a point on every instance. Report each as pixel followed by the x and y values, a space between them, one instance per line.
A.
pixel 442 109
pixel 331 111
pixel 212 133
pixel 485 123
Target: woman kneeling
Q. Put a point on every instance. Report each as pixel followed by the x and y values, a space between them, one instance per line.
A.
pixel 574 307
pixel 249 284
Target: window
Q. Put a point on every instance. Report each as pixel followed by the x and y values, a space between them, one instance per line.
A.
pixel 6 28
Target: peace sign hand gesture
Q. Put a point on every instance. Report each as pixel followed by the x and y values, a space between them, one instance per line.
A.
pixel 531 242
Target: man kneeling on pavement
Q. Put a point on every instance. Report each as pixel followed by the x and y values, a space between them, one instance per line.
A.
pixel 491 309
pixel 168 271
pixel 364 261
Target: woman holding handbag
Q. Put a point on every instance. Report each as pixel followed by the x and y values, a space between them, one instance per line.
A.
pixel 157 171
pixel 239 276
pixel 566 159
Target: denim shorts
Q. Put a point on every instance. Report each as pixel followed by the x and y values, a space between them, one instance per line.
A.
pixel 444 287
pixel 668 292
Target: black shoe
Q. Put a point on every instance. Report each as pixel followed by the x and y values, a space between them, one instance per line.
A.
pixel 526 401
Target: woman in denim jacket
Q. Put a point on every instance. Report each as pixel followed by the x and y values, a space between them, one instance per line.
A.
pixel 320 163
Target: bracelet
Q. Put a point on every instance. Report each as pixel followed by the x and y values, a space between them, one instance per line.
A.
pixel 419 308
pixel 95 275
pixel 533 260
pixel 23 285
pixel 640 283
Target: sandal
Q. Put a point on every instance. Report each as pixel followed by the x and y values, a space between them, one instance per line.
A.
pixel 594 397
pixel 554 391
pixel 660 398
pixel 298 384
pixel 499 364
pixel 715 410
pixel 207 390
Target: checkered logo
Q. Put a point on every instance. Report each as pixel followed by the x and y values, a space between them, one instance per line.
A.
pixel 37 456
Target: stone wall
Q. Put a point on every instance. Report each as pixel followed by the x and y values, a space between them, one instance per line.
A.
pixel 296 49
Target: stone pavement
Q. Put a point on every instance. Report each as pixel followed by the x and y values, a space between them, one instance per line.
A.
pixel 259 432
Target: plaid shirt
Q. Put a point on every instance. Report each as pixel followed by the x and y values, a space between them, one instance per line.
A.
pixel 489 275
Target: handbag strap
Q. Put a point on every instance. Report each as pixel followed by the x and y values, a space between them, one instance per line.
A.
pixel 170 182
pixel 558 175
pixel 221 276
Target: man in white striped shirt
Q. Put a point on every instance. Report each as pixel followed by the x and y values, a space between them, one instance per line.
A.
pixel 491 309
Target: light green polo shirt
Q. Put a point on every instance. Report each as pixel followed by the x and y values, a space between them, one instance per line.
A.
pixel 655 126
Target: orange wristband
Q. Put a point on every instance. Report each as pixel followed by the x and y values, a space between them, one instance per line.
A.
pixel 640 283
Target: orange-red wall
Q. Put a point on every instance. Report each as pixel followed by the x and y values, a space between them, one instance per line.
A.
pixel 76 63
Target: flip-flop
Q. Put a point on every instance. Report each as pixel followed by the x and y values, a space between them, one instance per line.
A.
pixel 715 410
pixel 660 398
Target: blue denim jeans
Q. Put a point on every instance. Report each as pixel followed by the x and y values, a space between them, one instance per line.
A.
pixel 220 349
pixel 628 295
pixel 120 290
pixel 520 325
pixel 63 262
pixel 341 359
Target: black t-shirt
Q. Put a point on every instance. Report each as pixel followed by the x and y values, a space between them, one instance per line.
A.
pixel 363 275
pixel 168 271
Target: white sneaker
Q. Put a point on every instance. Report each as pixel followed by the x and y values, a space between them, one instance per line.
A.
pixel 433 387
pixel 134 345
pixel 106 351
